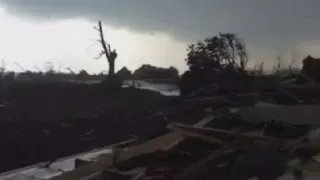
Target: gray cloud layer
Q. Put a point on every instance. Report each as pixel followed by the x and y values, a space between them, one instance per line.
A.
pixel 275 23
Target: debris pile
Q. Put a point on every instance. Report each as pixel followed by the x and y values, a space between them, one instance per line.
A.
pixel 237 138
pixel 223 145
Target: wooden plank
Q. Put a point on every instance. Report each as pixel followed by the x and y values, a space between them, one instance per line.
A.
pixel 196 135
pixel 165 142
pixel 221 131
pixel 180 138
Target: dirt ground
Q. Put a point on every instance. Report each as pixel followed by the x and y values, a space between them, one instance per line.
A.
pixel 45 121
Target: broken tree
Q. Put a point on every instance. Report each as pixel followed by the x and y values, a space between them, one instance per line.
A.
pixel 111 55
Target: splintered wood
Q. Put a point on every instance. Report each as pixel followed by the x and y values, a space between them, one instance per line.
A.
pixel 189 152
pixel 165 142
pixel 220 131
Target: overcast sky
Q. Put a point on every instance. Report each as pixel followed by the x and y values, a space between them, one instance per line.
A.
pixel 34 32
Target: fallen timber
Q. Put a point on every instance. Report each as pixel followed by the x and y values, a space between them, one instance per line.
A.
pixel 189 152
pixel 212 138
pixel 164 142
pixel 194 152
pixel 198 159
pixel 197 152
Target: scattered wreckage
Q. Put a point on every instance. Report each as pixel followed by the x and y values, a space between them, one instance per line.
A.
pixel 221 146
pixel 264 141
pixel 208 150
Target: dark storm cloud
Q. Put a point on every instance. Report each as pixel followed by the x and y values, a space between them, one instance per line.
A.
pixel 269 22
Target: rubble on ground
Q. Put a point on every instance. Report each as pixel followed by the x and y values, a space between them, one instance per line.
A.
pixel 224 145
pixel 230 137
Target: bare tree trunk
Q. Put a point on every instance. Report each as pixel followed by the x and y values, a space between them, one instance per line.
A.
pixel 111 68
pixel 103 42
pixel 111 55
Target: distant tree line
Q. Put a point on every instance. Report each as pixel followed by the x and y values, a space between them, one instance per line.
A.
pixel 58 76
pixel 147 71
pixel 143 72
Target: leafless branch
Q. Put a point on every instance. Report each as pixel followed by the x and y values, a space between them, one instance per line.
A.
pixel 70 70
pixel 93 44
pixel 96 28
pixel 100 55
